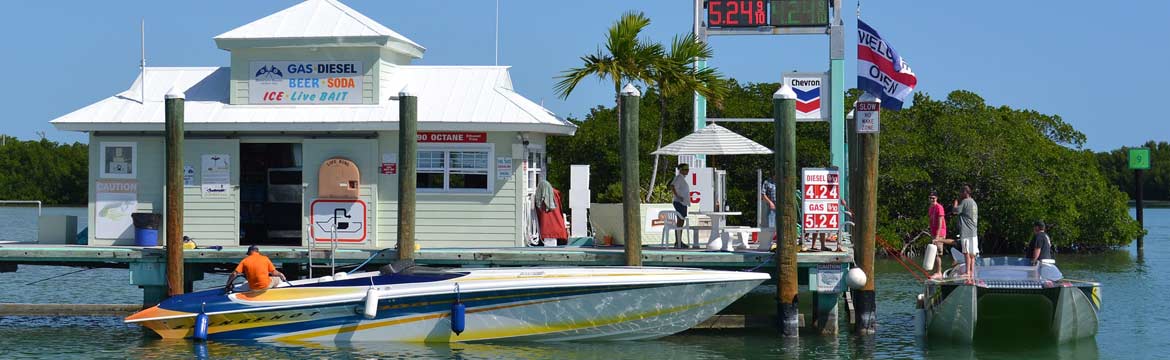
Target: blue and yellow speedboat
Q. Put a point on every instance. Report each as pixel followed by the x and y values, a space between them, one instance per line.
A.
pixel 425 305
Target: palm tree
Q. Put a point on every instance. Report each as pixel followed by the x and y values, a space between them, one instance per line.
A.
pixel 675 74
pixel 626 58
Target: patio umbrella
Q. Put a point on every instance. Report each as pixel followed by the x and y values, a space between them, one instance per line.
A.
pixel 713 140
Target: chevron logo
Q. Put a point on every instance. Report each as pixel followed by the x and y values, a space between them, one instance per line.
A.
pixel 808 101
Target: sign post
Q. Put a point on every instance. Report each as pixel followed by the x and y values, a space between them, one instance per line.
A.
pixel 1139 161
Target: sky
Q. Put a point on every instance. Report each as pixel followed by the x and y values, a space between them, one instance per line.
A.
pixel 1094 63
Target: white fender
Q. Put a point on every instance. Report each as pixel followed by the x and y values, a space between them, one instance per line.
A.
pixel 929 256
pixel 856 278
pixel 371 303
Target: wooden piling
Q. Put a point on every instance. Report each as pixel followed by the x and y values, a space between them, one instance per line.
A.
pixel 784 166
pixel 865 228
pixel 407 169
pixel 632 225
pixel 1137 183
pixel 173 114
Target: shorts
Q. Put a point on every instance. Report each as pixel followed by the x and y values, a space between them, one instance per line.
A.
pixel 970 246
pixel 682 209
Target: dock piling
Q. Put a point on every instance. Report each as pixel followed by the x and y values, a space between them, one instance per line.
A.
pixel 864 230
pixel 784 166
pixel 174 198
pixel 407 182
pixel 630 101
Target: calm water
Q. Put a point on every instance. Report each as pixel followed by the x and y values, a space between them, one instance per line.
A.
pixel 1133 325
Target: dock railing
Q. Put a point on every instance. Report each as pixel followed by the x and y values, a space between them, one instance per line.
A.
pixel 37 202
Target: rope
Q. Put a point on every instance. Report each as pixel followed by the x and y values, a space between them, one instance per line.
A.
pixel 919 273
pixel 54 277
pixel 766 261
pixel 367 261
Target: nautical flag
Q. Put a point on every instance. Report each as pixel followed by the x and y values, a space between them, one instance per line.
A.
pixel 880 71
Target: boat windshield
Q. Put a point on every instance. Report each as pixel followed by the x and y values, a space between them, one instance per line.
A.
pixel 1011 268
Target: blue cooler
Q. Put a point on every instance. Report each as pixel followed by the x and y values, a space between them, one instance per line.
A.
pixel 145 237
pixel 146 228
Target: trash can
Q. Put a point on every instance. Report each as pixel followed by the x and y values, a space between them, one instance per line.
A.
pixel 146 228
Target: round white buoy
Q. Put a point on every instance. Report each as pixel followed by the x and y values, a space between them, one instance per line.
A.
pixel 856 278
pixel 371 310
pixel 929 256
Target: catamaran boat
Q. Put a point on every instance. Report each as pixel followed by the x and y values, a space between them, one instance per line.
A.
pixel 1008 297
pixel 418 304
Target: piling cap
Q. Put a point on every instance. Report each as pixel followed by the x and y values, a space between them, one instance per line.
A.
pixel 784 92
pixel 174 93
pixel 405 91
pixel 630 90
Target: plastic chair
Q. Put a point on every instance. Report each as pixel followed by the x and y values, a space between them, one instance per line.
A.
pixel 670 223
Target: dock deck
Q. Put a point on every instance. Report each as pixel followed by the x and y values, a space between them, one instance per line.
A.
pixel 121 256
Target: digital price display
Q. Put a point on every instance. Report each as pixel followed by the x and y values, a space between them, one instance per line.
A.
pixel 737 13
pixel 757 13
pixel 798 13
pixel 822 199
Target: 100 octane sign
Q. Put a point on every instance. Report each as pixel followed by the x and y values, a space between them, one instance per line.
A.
pixel 822 199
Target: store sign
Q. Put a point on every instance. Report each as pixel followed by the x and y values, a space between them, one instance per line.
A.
pixel 344 220
pixel 821 190
pixel 451 137
pixel 305 82
pixel 702 188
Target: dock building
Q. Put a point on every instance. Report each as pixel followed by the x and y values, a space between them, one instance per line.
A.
pixel 309 86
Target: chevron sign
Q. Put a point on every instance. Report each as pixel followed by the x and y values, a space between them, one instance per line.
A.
pixel 810 105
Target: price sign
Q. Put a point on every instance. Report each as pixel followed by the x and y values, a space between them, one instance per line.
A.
pixel 822 199
pixel 737 13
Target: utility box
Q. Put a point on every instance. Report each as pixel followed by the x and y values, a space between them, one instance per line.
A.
pixel 57 229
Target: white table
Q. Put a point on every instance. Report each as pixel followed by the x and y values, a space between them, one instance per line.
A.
pixel 719 240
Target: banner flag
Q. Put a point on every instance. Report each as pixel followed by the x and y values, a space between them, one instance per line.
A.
pixel 880 71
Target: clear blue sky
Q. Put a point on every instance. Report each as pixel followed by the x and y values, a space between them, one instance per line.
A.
pixel 1093 63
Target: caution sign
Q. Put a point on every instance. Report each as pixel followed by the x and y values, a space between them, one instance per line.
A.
pixel 822 199
pixel 345 219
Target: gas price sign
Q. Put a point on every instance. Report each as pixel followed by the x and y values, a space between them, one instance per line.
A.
pixel 756 13
pixel 737 13
pixel 822 199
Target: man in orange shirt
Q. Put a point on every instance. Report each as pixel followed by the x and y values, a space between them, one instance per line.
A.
pixel 257 269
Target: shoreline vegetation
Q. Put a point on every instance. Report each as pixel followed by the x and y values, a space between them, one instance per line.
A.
pixel 1024 166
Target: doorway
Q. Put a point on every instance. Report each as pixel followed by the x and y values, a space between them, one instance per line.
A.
pixel 271 194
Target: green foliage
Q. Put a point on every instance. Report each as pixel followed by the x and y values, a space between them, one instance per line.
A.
pixel 626 58
pixel 1023 165
pixel 57 174
pixel 1155 181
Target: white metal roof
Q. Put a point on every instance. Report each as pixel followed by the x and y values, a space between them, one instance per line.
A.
pixel 453 98
pixel 713 140
pixel 329 22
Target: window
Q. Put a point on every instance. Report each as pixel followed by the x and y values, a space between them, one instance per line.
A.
pixel 119 160
pixel 455 169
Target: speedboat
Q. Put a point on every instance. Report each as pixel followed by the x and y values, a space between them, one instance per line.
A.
pixel 455 305
pixel 1008 297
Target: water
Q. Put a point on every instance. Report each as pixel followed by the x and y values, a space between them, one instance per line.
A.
pixel 1132 323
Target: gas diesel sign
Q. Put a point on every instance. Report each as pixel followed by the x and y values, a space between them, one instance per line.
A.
pixel 305 82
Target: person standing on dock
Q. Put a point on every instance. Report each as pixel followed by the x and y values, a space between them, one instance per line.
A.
pixel 769 197
pixel 258 269
pixel 968 213
pixel 682 197
pixel 938 229
pixel 1041 247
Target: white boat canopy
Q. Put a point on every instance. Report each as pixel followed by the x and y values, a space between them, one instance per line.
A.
pixel 713 140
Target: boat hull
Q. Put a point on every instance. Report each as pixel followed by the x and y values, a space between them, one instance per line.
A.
pixel 964 312
pixel 631 311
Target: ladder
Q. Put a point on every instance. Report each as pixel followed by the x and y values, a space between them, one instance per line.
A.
pixel 332 265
